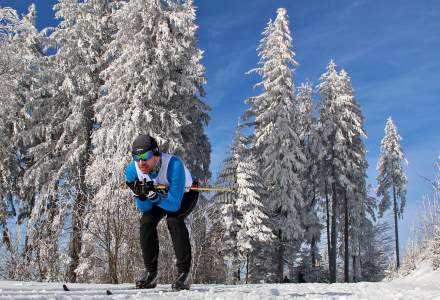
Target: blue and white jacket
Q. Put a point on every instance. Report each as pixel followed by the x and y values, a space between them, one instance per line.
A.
pixel 172 173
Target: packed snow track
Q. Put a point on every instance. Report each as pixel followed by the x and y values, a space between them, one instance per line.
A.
pixel 398 289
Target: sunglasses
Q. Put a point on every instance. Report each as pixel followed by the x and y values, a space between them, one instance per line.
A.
pixel 143 156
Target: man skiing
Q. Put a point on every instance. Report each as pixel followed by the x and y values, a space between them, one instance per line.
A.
pixel 148 169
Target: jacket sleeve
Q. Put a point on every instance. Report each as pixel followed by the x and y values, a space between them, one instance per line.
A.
pixel 176 179
pixel 130 172
pixel 131 176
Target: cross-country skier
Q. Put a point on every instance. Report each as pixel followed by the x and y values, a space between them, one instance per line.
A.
pixel 149 168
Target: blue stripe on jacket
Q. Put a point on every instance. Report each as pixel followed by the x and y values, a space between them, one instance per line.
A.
pixel 176 179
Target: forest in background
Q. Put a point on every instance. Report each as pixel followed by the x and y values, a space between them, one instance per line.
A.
pixel 73 98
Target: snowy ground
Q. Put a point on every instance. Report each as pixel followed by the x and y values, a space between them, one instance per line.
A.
pixel 422 285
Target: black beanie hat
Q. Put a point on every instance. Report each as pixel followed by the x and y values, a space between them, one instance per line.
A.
pixel 144 143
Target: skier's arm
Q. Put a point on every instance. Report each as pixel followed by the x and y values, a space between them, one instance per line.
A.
pixel 176 178
pixel 130 178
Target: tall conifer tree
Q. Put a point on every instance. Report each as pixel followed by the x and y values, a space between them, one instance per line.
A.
pixel 277 143
pixel 391 177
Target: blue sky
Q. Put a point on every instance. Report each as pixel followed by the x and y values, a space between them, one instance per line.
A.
pixel 390 49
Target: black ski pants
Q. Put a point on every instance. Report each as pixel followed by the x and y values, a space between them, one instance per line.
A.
pixel 178 231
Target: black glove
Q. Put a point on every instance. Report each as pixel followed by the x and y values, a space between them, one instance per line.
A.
pixel 143 189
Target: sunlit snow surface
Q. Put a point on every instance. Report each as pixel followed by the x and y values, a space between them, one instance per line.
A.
pixel 422 285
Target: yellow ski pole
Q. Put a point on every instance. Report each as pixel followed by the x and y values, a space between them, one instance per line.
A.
pixel 202 188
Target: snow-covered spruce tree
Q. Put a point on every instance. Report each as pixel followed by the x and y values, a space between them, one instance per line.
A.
pixel 186 73
pixel 253 220
pixel 230 223
pixel 357 203
pixel 361 216
pixel 198 229
pixel 328 90
pixel 215 269
pixel 375 247
pixel 277 144
pixel 16 61
pixel 12 91
pixel 340 130
pixel 391 177
pixel 82 38
pixel 150 87
pixel 304 108
pixel 306 124
pixel 36 130
pixel 244 222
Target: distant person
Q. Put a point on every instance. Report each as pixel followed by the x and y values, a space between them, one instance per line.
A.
pixel 286 280
pixel 150 168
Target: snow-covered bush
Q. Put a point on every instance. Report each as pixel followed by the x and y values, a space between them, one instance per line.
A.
pixel 436 248
pixel 425 246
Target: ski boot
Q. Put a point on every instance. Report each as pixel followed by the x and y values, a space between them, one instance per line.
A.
pixel 147 281
pixel 181 282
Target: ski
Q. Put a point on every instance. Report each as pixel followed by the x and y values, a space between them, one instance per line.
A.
pixel 153 291
pixel 110 292
pixel 157 290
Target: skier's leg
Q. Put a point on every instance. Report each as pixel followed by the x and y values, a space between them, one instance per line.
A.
pixel 148 237
pixel 179 232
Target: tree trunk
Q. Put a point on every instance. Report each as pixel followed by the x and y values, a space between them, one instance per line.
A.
pixel 354 268
pixel 313 242
pixel 247 268
pixel 280 257
pixel 75 240
pixel 328 230
pixel 396 228
pixel 238 274
pixel 79 206
pixel 346 255
pixel 112 264
pixel 333 234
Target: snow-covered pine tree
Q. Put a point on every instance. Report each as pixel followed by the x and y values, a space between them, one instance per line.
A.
pixel 325 138
pixel 18 60
pixel 215 234
pixel 244 222
pixel 306 124
pixel 253 220
pixel 12 88
pixel 82 38
pixel 277 143
pixel 374 249
pixel 391 176
pixel 37 148
pixel 361 216
pixel 231 223
pixel 340 130
pixel 304 107
pixel 186 74
pixel 357 203
pixel 150 87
